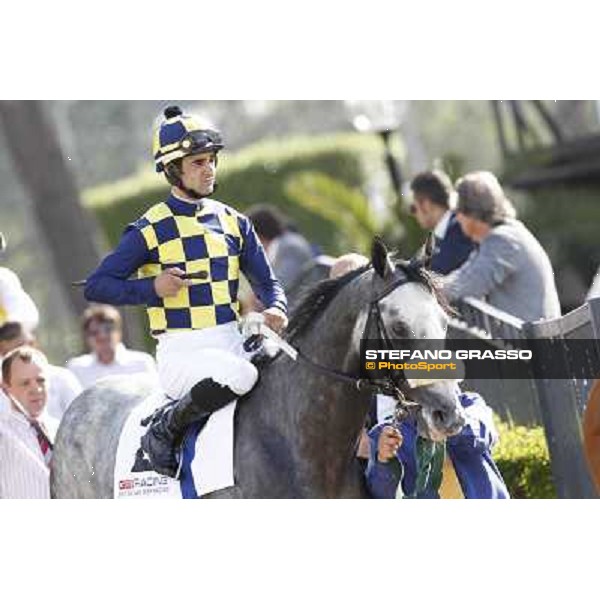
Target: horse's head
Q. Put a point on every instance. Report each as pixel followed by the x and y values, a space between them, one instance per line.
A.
pixel 410 309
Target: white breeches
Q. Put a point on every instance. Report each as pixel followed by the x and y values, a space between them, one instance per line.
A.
pixel 187 357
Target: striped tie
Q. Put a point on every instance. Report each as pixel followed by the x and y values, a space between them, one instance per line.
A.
pixel 43 440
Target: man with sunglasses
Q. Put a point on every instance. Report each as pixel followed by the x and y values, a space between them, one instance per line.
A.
pixel 189 252
pixel 510 269
pixel 431 207
pixel 108 355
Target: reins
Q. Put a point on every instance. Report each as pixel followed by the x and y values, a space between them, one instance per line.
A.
pixel 388 386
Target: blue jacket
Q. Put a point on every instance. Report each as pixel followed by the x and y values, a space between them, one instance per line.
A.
pixel 452 250
pixel 469 451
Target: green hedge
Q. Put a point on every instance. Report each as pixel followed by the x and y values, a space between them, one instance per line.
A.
pixel 523 459
pixel 263 173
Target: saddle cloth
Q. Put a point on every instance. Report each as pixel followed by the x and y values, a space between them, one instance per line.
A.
pixel 210 467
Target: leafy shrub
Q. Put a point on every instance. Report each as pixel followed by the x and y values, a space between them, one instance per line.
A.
pixel 338 204
pixel 523 459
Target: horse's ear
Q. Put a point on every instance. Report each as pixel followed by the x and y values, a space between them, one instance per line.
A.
pixel 428 253
pixel 380 258
pixel 422 259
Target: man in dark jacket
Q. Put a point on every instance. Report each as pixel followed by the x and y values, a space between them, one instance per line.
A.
pixel 432 192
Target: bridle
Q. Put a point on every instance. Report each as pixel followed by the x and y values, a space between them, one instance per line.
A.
pixel 390 385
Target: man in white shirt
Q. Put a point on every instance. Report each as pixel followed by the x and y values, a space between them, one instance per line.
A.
pixel 62 386
pixel 26 431
pixel 108 356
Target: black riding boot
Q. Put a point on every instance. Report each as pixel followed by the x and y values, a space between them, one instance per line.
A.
pixel 169 423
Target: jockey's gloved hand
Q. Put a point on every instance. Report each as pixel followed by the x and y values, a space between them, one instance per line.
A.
pixel 275 319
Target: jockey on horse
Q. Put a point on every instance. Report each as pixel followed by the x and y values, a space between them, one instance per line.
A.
pixel 188 252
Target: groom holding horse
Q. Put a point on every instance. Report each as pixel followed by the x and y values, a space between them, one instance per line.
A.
pixel 188 252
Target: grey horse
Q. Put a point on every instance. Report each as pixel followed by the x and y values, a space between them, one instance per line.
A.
pixel 296 433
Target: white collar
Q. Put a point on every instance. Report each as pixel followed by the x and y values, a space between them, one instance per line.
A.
pixel 118 359
pixel 196 203
pixel 440 229
pixel 44 418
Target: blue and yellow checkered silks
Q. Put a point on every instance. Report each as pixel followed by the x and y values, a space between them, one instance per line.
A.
pixel 170 139
pixel 209 240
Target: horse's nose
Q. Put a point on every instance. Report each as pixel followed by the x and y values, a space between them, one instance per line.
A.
pixel 442 409
pixel 450 421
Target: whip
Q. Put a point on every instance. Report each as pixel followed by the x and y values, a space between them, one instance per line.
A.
pixel 193 275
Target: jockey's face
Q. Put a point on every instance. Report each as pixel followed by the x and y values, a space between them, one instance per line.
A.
pixel 198 173
pixel 28 385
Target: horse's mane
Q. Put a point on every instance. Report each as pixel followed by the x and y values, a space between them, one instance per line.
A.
pixel 316 299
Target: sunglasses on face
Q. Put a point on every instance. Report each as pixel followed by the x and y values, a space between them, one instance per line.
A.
pixel 101 329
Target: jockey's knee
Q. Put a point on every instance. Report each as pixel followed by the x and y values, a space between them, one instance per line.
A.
pixel 240 378
pixel 209 395
pixel 212 393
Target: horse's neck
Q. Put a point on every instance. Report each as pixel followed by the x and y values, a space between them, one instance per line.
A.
pixel 319 416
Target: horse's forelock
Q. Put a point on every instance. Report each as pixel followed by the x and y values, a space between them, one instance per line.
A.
pixel 417 273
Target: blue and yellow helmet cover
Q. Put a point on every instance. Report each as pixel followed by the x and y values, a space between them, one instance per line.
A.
pixel 180 135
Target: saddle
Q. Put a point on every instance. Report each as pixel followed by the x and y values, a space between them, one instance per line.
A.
pixel 205 455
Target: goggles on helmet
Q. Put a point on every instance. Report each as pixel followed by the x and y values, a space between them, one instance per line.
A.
pixel 193 142
pixel 197 141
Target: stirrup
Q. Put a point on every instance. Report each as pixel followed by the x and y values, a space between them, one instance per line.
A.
pixel 157 414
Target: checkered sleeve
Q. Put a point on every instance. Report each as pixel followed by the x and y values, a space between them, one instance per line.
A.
pixel 109 282
pixel 256 268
